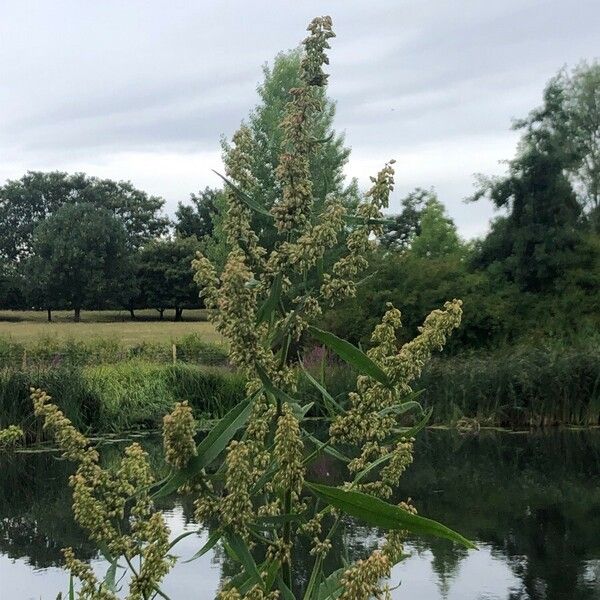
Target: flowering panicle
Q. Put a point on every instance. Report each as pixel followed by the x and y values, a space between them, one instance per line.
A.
pixel 310 247
pixel 11 436
pixel 236 509
pixel 288 452
pixel 238 220
pixel 292 211
pixel 99 500
pixel 341 284
pixel 179 428
pixel 362 580
pixel 91 588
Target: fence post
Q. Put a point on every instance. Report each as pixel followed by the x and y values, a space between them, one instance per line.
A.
pixel 24 360
pixel 174 353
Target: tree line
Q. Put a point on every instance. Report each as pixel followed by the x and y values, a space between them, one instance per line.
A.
pixel 78 242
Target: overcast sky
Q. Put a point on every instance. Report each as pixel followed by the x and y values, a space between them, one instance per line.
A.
pixel 142 90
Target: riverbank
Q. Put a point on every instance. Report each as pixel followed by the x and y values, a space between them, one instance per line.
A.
pixel 106 387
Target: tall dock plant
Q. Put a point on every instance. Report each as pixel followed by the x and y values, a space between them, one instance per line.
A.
pixel 249 474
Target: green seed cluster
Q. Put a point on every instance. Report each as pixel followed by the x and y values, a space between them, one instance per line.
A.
pixel 11 436
pixel 179 428
pixel 100 498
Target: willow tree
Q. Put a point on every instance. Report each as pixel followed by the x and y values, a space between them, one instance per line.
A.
pixel 249 474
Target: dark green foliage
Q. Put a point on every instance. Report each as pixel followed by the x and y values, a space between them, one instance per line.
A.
pixel 519 386
pixel 408 222
pixel 535 243
pixel 24 203
pixel 117 397
pixel 80 260
pixel 66 384
pixel 165 277
pixel 569 119
pixel 526 385
pixel 197 219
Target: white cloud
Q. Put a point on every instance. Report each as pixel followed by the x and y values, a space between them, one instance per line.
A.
pixel 142 90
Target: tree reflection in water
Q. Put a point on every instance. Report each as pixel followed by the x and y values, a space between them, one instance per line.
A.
pixel 532 499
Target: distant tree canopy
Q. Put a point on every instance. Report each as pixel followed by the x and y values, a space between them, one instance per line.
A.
pixel 197 219
pixel 537 272
pixel 26 202
pixel 165 276
pixel 329 154
pixel 80 260
pixel 568 122
pixel 437 235
pixel 407 222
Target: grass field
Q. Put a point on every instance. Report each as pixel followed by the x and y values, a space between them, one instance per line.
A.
pixel 28 326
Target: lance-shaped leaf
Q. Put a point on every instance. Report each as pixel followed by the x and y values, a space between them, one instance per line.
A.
pixel 330 403
pixel 271 303
pixel 374 511
pixel 110 577
pixel 210 447
pixel 351 354
pixel 412 431
pixel 400 409
pixel 210 543
pixel 331 587
pixel 243 197
pixel 242 553
pixel 271 389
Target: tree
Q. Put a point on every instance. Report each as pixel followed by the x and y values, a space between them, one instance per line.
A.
pixel 328 155
pixel 407 224
pixel 80 259
pixel 11 287
pixel 437 235
pixel 535 242
pixel 165 275
pixel 198 219
pixel 26 202
pixel 570 119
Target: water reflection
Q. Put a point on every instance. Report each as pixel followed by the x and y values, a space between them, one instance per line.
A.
pixel 531 501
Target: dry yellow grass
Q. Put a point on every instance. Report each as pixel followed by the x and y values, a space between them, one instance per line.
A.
pixel 29 326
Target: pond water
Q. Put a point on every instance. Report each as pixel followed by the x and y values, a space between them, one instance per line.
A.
pixel 530 501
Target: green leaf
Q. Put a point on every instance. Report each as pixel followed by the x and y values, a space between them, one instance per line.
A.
pixel 330 403
pixel 351 354
pixel 323 446
pixel 110 577
pixel 412 431
pixel 331 588
pixel 286 593
pixel 71 588
pixel 247 200
pixel 271 303
pixel 271 389
pixel 210 543
pixel 243 555
pixel 400 409
pixel 210 447
pixel 277 520
pixel 376 512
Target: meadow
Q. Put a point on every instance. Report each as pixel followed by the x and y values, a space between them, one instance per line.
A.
pixel 28 327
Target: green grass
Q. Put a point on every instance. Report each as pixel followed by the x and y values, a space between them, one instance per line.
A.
pixel 118 397
pixel 191 348
pixel 27 327
pixel 548 383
